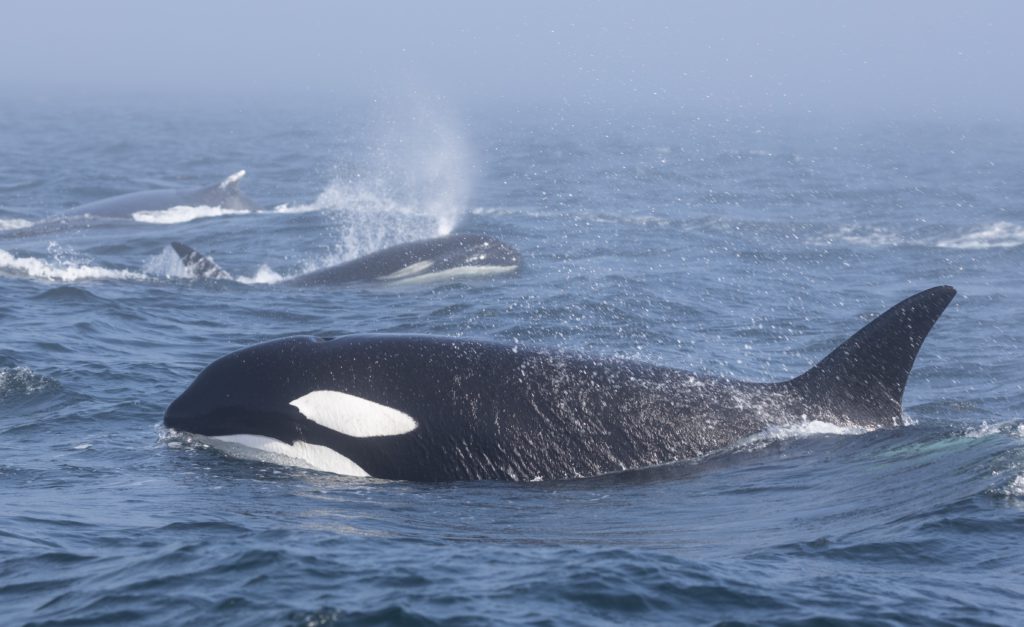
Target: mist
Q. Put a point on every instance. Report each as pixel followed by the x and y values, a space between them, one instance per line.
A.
pixel 911 58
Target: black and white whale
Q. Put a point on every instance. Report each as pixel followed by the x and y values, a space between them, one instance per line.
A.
pixel 437 409
pixel 435 258
pixel 173 205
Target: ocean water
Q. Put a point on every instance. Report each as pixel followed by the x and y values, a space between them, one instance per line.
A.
pixel 741 247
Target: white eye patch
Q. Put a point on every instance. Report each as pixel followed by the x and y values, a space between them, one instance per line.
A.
pixel 352 415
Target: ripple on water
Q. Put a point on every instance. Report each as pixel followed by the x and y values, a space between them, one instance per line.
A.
pixel 20 382
pixel 68 294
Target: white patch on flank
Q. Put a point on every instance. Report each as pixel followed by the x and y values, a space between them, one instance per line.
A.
pixel 234 178
pixel 352 415
pixel 302 454
pixel 184 213
pixel 461 271
pixel 416 268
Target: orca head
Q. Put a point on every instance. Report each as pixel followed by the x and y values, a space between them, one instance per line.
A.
pixel 247 392
pixel 477 251
pixel 289 401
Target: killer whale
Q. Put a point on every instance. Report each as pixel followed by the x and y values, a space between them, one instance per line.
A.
pixel 146 205
pixel 439 257
pixel 427 408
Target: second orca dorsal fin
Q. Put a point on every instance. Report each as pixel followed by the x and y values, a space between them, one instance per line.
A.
pixel 231 181
pixel 864 378
pixel 199 265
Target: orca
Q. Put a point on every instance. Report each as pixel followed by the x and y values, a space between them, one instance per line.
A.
pixel 155 205
pixel 425 408
pixel 435 258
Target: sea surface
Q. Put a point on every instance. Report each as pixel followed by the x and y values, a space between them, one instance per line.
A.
pixel 747 247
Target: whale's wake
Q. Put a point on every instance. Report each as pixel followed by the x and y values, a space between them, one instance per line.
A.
pixel 63 270
pixel 184 213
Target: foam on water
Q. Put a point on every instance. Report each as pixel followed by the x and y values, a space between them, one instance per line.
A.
pixel 10 224
pixel 184 213
pixel 1016 487
pixel 67 271
pixel 861 236
pixel 997 235
pixel 982 430
pixel 775 433
pixel 264 275
pixel 20 380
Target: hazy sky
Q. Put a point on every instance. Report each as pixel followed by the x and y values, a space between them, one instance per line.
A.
pixel 915 56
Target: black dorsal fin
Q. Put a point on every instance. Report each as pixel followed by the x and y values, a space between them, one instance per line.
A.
pixel 863 379
pixel 199 265
pixel 231 181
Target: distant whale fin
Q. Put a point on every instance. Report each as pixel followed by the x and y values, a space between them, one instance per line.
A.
pixel 863 379
pixel 232 180
pixel 201 266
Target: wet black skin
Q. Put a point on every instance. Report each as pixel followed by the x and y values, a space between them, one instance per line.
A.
pixel 443 253
pixel 492 411
pixel 451 251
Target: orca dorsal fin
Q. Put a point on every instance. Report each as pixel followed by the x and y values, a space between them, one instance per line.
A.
pixel 232 180
pixel 199 265
pixel 863 379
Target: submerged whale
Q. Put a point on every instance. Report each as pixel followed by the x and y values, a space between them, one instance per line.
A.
pixel 436 258
pixel 145 206
pixel 439 409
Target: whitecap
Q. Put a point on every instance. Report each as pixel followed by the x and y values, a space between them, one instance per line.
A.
pixel 65 271
pixel 264 276
pixel 861 236
pixel 1016 487
pixel 10 224
pixel 286 208
pixel 184 213
pixel 982 430
pixel 997 235
pixel 775 433
pixel 21 380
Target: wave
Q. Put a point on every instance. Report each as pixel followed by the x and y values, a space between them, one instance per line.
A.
pixel 264 276
pixel 998 235
pixel 307 208
pixel 11 224
pixel 184 213
pixel 1014 488
pixel 168 265
pixel 995 235
pixel 65 271
pixel 775 433
pixel 862 236
pixel 21 381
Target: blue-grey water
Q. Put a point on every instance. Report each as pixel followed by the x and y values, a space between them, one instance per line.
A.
pixel 743 247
